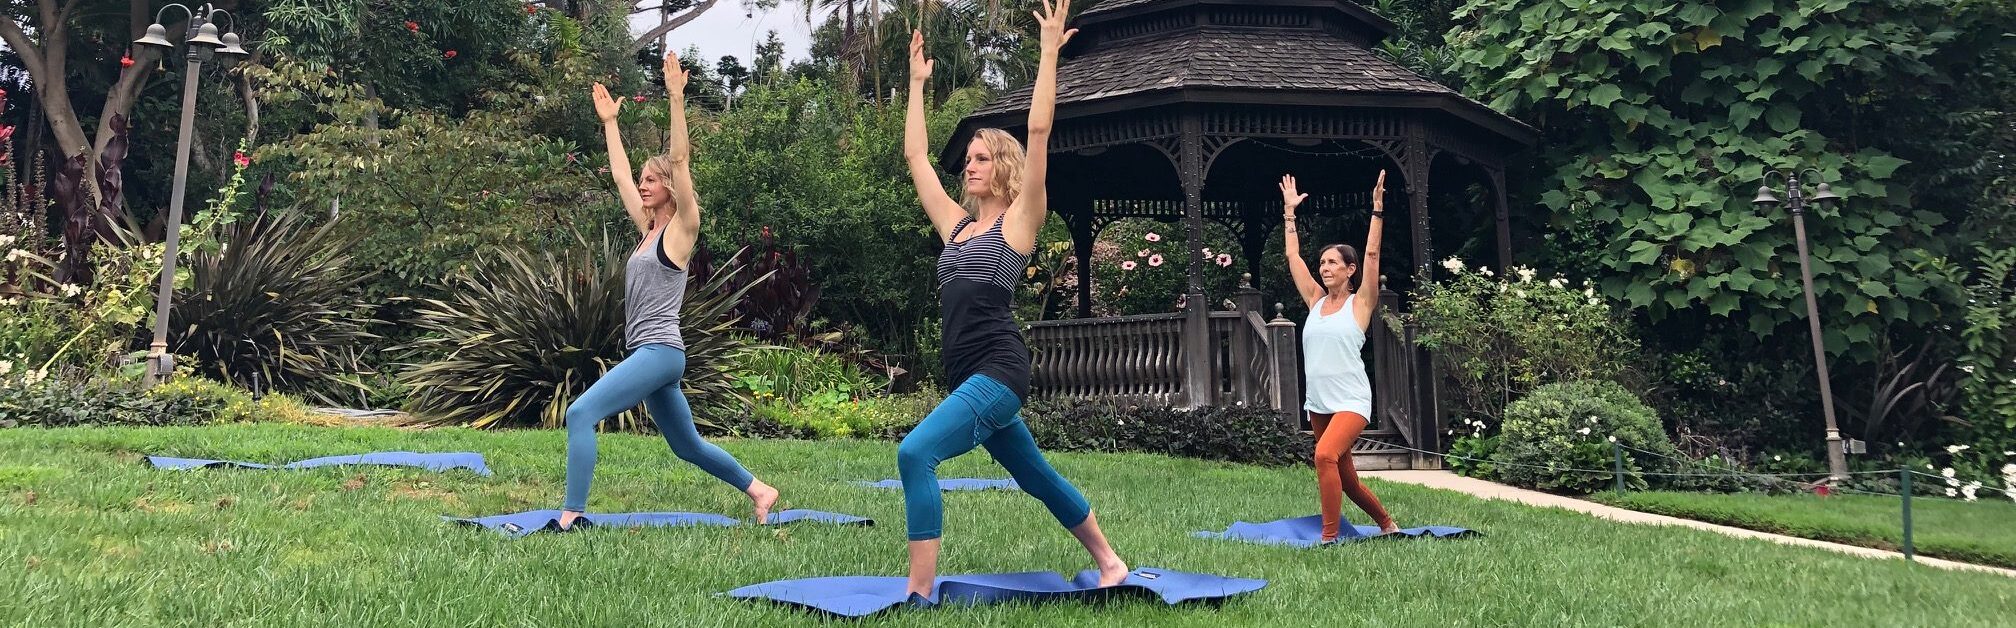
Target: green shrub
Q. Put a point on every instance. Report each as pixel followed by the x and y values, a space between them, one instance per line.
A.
pixel 833 415
pixel 1471 456
pixel 275 309
pixel 791 375
pixel 73 400
pixel 1499 337
pixel 1232 434
pixel 1569 425
pixel 525 335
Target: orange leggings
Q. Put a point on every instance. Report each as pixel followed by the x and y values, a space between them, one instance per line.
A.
pixel 1335 475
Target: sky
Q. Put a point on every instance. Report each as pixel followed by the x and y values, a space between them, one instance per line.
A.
pixel 727 29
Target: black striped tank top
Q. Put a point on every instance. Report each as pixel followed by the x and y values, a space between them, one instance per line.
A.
pixel 976 283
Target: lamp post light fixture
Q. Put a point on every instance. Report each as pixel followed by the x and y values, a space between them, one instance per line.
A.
pixel 203 42
pixel 1795 201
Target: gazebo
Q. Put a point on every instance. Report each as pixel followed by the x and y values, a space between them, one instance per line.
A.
pixel 1190 110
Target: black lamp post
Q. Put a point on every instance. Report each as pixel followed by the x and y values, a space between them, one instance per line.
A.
pixel 203 42
pixel 1795 200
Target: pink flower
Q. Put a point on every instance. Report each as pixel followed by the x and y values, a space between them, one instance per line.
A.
pixel 1155 260
pixel 1141 253
pixel 603 170
pixel 239 158
pixel 1224 259
pixel 448 55
pixel 412 26
pixel 1127 265
pixel 637 98
pixel 1153 237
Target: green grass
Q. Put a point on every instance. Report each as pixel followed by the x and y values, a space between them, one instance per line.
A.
pixel 1978 532
pixel 89 536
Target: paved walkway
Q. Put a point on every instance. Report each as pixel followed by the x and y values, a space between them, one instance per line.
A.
pixel 1488 490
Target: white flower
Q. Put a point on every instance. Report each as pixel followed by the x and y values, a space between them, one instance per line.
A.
pixel 1525 274
pixel 1589 292
pixel 1142 253
pixel 1613 439
pixel 6 367
pixel 2009 469
pixel 1929 466
pixel 1954 449
pixel 1594 301
pixel 1556 283
pixel 34 377
pixel 1484 270
pixel 1968 490
pixel 16 254
pixel 1592 418
pixel 1965 369
pixel 1454 265
pixel 1952 493
pixel 6 240
pixel 1777 458
pixel 1947 472
pixel 71 290
pixel 1207 251
pixel 1583 431
pixel 1520 293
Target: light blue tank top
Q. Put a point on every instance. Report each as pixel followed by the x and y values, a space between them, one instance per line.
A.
pixel 1333 359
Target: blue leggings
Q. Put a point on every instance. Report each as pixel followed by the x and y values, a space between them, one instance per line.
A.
pixel 651 375
pixel 982 412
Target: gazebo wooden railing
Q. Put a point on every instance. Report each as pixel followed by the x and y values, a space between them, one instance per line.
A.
pixel 1254 362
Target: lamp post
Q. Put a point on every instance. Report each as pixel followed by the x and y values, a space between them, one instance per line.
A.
pixel 203 42
pixel 1795 200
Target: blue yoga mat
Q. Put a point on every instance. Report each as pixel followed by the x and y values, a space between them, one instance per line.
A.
pixel 957 484
pixel 516 525
pixel 1308 532
pixel 860 596
pixel 429 461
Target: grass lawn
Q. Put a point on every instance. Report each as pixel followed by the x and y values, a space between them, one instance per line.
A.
pixel 90 536
pixel 1978 532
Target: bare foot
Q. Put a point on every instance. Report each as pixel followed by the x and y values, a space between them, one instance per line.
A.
pixel 1389 528
pixel 1112 573
pixel 764 496
pixel 567 518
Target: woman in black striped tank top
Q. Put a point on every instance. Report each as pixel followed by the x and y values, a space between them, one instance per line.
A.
pixel 987 245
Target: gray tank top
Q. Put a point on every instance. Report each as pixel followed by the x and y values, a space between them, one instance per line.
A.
pixel 654 289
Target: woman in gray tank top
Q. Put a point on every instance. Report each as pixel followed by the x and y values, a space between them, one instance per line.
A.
pixel 1339 389
pixel 666 212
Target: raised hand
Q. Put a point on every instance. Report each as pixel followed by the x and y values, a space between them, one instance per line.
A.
pixel 1290 198
pixel 1053 33
pixel 605 106
pixel 920 67
pixel 1379 193
pixel 675 75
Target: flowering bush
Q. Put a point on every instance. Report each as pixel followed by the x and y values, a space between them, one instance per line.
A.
pixel 1138 269
pixel 1572 425
pixel 1499 337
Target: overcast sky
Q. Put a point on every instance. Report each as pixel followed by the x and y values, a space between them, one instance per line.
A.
pixel 727 29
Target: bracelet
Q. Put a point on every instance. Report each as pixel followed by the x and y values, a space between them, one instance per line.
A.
pixel 1379 213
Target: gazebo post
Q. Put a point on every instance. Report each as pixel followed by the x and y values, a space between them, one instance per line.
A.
pixel 1504 218
pixel 1198 388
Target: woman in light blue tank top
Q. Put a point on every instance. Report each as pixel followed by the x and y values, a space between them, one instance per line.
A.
pixel 1339 399
pixel 666 212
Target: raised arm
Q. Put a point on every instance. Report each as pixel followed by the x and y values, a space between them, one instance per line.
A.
pixel 1368 266
pixel 1305 284
pixel 1034 204
pixel 679 147
pixel 944 212
pixel 619 161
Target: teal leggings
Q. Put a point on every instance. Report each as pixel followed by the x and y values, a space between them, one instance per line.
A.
pixel 980 412
pixel 650 375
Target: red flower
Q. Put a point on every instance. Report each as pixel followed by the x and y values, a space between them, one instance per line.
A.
pixel 448 55
pixel 531 9
pixel 238 157
pixel 637 98
pixel 126 61
pixel 412 26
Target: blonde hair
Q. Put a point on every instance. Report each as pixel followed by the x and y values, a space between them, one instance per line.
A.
pixel 1007 154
